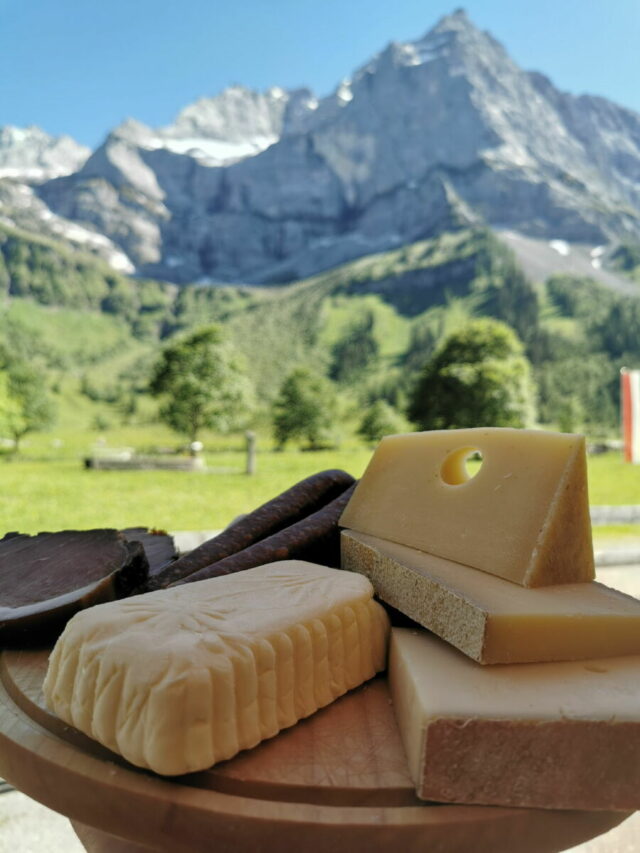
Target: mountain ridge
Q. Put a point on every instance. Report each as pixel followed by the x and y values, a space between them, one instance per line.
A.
pixel 439 133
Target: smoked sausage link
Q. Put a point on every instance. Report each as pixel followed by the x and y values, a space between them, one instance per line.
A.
pixel 301 500
pixel 315 538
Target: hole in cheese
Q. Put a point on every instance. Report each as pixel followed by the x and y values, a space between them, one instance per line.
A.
pixel 461 465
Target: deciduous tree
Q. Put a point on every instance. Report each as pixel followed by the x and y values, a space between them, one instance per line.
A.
pixel 380 419
pixel 356 352
pixel 478 377
pixel 202 384
pixel 25 405
pixel 304 409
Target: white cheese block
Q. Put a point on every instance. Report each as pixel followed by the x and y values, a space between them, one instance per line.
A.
pixel 179 679
pixel 545 735
pixel 490 619
pixel 524 516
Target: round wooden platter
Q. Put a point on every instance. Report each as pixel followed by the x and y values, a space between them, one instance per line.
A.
pixel 337 781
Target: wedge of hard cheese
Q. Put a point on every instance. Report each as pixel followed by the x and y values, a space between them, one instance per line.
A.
pixel 493 620
pixel 548 735
pixel 179 679
pixel 524 516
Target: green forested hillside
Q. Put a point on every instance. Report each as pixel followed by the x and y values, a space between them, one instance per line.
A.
pixel 370 325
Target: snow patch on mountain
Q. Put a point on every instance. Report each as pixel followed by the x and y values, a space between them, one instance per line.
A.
pixel 216 150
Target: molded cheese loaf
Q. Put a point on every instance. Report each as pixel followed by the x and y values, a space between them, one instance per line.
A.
pixel 179 679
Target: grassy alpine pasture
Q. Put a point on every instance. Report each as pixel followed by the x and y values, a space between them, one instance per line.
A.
pixel 46 487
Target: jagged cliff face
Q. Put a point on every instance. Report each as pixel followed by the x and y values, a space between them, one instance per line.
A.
pixel 426 136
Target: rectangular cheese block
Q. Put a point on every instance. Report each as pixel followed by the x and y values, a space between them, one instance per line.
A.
pixel 524 516
pixel 179 679
pixel 546 735
pixel 490 619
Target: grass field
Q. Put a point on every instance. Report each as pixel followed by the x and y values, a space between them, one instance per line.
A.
pixel 47 487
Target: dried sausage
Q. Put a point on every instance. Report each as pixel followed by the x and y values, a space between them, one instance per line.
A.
pixel 315 538
pixel 298 502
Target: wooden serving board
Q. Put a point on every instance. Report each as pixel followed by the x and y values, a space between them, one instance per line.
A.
pixel 337 781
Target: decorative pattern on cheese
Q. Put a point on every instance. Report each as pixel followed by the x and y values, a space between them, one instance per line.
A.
pixel 523 517
pixel 490 619
pixel 543 735
pixel 179 679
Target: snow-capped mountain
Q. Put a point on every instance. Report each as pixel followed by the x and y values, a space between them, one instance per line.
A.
pixel 426 136
pixel 226 128
pixel 31 154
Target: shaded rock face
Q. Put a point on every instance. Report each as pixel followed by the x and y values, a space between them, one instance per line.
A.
pixel 427 136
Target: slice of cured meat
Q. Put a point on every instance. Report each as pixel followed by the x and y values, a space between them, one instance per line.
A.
pixel 158 546
pixel 45 579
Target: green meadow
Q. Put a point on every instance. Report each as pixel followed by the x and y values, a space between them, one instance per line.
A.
pixel 46 486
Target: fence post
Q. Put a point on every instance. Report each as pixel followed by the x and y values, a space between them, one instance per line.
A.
pixel 251 452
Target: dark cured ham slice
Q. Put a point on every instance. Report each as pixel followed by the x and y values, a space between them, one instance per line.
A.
pixel 45 579
pixel 158 546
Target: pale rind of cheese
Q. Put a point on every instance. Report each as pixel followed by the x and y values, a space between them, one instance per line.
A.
pixel 523 517
pixel 490 619
pixel 542 735
pixel 179 679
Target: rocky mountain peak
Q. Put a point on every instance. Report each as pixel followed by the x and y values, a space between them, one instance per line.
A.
pixel 244 117
pixel 237 114
pixel 457 22
pixel 235 124
pixel 453 38
pixel 31 154
pixel 428 134
pixel 133 132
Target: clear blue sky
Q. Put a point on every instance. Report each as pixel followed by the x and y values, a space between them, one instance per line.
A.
pixel 82 66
